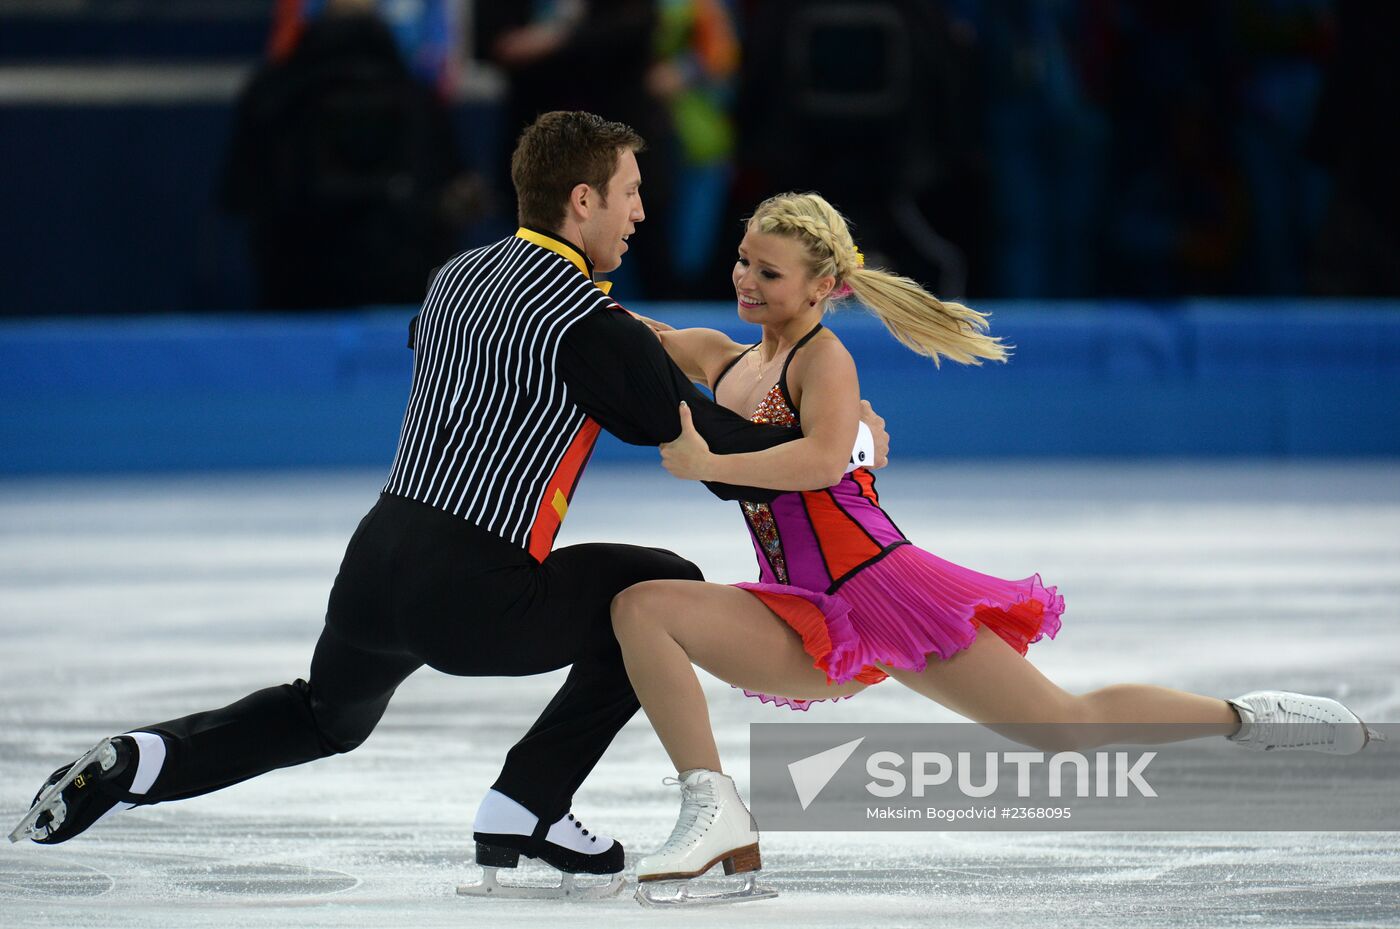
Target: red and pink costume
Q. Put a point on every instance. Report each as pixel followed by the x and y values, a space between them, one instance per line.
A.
pixel 836 568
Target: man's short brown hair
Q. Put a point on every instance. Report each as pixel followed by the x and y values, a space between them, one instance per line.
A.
pixel 559 151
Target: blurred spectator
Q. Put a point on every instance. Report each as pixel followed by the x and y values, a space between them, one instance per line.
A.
pixel 1178 217
pixel 589 55
pixel 346 170
pixel 427 33
pixel 1355 139
pixel 696 76
pixel 875 105
pixel 1285 43
pixel 1046 142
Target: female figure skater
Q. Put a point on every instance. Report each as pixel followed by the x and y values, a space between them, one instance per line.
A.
pixel 845 600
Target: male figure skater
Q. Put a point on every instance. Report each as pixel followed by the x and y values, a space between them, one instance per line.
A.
pixel 520 359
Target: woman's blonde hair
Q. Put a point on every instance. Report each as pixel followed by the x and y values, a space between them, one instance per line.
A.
pixel 914 316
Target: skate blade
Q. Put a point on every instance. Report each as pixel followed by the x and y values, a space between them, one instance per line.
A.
pixel 1373 735
pixel 681 893
pixel 567 889
pixel 27 828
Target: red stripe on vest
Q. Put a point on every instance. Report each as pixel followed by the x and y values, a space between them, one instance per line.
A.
pixel 561 486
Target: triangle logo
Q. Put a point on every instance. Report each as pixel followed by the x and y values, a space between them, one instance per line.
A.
pixel 810 775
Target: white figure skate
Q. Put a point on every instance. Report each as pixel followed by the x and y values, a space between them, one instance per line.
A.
pixel 714 826
pixel 1275 720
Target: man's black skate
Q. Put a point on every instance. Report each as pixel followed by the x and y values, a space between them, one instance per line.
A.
pixel 496 850
pixel 79 794
pixel 503 850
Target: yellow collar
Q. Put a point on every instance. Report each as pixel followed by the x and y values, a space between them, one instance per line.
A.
pixel 564 249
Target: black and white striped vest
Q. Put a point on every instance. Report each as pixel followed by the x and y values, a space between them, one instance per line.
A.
pixel 490 434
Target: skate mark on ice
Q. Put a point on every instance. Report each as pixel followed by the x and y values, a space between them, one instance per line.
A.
pixel 916 881
pixel 30 877
pixel 259 879
pixel 184 876
pixel 1301 895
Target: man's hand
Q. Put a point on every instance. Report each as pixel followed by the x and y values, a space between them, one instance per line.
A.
pixel 688 455
pixel 876 422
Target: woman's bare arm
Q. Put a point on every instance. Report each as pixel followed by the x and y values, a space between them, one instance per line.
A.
pixel 824 377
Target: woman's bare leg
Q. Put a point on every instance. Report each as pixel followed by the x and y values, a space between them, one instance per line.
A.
pixel 663 626
pixel 990 683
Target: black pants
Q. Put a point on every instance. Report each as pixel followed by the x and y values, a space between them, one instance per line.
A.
pixel 418 586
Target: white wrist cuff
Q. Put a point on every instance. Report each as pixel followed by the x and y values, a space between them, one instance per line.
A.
pixel 863 455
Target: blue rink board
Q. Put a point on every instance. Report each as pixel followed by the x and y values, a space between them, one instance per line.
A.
pixel 1203 378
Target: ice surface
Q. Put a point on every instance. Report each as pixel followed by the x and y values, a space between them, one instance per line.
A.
pixel 124 601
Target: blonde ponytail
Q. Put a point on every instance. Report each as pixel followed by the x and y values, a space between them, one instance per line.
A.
pixel 914 316
pixel 924 323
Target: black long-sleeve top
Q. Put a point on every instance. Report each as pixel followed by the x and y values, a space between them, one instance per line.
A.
pixel 520 360
pixel 618 373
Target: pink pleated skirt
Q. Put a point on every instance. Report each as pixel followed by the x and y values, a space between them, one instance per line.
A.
pixel 903 608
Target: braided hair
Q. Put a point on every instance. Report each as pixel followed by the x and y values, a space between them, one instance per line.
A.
pixel 915 317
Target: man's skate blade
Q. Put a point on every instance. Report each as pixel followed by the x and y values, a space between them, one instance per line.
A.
pixel 26 828
pixel 682 893
pixel 566 889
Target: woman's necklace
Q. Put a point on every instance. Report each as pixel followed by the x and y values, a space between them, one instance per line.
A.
pixel 764 369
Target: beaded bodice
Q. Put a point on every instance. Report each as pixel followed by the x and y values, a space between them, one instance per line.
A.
pixel 774 410
pixel 816 539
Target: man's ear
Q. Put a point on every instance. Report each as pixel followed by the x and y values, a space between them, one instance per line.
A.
pixel 581 200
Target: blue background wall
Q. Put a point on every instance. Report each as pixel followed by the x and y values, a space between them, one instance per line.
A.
pixel 1104 379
